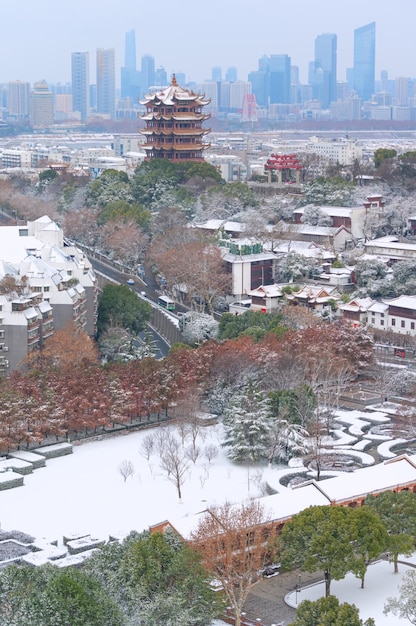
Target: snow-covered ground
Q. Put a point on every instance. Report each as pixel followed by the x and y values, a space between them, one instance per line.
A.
pixel 85 493
pixel 380 583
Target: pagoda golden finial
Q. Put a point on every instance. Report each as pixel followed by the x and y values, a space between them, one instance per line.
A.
pixel 174 83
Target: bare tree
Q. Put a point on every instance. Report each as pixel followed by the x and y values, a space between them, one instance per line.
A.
pixel 231 540
pixel 126 469
pixel 210 452
pixel 147 446
pixel 173 462
pixel 193 453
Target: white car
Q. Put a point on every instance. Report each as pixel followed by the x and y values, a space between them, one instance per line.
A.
pixel 130 281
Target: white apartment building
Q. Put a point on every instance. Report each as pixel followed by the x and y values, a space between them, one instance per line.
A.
pixel 343 151
pixel 59 287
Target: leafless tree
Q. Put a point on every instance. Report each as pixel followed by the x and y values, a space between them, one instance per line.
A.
pixel 126 469
pixel 193 453
pixel 173 462
pixel 231 540
pixel 210 452
pixel 147 446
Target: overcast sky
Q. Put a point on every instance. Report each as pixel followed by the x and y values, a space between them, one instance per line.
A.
pixel 37 37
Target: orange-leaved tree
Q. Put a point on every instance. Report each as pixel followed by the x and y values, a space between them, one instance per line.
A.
pixel 232 540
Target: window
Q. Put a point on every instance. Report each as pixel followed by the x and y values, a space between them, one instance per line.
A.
pixel 412 325
pixel 393 321
pixel 381 322
pixel 403 324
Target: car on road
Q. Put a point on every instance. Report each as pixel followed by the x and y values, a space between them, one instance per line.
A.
pixel 130 281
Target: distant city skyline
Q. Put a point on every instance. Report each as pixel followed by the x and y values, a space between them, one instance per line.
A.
pixel 234 33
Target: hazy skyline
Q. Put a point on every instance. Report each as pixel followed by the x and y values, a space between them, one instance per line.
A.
pixel 37 39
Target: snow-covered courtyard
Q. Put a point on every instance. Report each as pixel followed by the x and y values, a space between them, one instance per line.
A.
pixel 85 493
pixel 380 583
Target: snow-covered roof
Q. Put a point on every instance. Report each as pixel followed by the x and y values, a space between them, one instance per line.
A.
pixel 358 304
pixel 333 211
pixel 378 307
pixel 248 258
pixel 381 477
pixel 266 291
pixel 404 302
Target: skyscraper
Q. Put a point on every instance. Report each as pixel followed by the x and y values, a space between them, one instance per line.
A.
pixel 324 80
pixel 130 77
pixel 364 60
pixel 130 50
pixel 216 74
pixel 80 64
pixel 279 78
pixel 106 82
pixel 41 105
pixel 147 72
pixel 18 108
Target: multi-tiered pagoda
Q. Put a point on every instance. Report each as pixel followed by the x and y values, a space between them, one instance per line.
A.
pixel 174 124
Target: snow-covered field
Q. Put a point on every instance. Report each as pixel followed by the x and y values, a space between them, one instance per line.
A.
pixel 380 583
pixel 85 492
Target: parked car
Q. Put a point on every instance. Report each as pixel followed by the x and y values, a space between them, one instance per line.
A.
pixel 271 570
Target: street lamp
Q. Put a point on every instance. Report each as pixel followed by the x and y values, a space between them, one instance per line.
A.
pixel 298 589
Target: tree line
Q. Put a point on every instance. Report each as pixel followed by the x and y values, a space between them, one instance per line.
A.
pixel 64 390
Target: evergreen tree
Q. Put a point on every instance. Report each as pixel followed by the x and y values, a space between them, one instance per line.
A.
pixel 246 425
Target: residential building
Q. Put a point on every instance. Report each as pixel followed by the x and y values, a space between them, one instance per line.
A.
pixel 364 60
pixel 18 103
pixel 80 67
pixel 343 151
pixel 249 266
pixel 352 218
pixel 41 105
pixel 106 82
pixel 59 286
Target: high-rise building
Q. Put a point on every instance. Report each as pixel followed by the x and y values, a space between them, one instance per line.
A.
pixel 260 82
pixel 364 60
pixel 401 91
pixel 147 72
pixel 324 80
pixel 130 50
pixel 216 74
pixel 231 75
pixel 161 77
pixel 41 105
pixel 80 66
pixel 106 82
pixel 130 77
pixel 279 78
pixel 18 107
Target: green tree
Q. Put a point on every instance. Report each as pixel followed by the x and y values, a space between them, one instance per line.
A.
pixel 120 210
pixel 328 612
pixel 157 579
pixel 295 405
pixel 120 306
pixel 50 596
pixel 232 326
pixel 370 539
pixel 319 538
pixel 246 425
pixel 398 512
pixel 381 154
